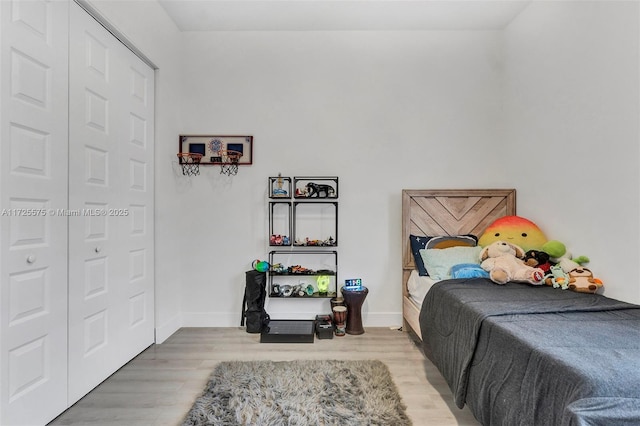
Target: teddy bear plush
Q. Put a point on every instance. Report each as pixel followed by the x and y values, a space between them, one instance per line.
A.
pixel 504 263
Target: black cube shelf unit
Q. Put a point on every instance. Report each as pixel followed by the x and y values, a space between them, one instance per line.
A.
pixel 303 216
pixel 300 274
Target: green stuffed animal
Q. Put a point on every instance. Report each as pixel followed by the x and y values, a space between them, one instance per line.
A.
pixel 559 255
pixel 557 278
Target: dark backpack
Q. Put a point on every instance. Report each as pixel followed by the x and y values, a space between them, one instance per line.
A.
pixel 255 294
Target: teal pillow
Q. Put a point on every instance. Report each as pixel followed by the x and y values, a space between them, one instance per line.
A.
pixel 468 270
pixel 439 261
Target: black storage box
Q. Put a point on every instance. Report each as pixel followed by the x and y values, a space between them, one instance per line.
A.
pixel 324 330
pixel 288 331
pixel 324 327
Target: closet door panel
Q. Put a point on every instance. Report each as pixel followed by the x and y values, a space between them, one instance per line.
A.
pixel 33 197
pixel 136 151
pixel 110 174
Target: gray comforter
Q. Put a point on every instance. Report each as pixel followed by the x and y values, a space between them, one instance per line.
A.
pixel 527 355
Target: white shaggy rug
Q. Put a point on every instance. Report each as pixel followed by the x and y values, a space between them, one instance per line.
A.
pixel 297 393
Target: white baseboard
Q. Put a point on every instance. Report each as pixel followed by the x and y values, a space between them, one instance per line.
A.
pixel 164 331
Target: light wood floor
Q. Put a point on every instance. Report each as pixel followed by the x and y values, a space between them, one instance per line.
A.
pixel 159 386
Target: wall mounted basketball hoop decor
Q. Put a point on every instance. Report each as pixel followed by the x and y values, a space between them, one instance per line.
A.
pixel 228 152
pixel 190 162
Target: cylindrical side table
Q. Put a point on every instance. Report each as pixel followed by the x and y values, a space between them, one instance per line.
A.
pixel 354 300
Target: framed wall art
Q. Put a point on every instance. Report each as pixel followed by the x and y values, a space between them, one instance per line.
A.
pixel 214 148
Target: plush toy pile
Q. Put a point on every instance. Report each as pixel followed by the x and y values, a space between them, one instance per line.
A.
pixel 504 263
pixel 516 249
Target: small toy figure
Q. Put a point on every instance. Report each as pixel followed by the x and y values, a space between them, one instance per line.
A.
pixel 279 268
pixel 319 190
pixel 275 240
pixel 557 278
pixel 329 242
pixel 297 269
pixel 278 191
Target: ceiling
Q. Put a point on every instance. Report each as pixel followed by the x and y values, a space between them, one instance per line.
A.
pixel 341 15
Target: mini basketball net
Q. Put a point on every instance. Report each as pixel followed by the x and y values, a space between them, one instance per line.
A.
pixel 229 162
pixel 190 162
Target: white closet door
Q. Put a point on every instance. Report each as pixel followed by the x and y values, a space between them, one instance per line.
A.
pixel 110 187
pixel 33 190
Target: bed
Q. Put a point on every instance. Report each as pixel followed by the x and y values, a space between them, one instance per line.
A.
pixel 518 354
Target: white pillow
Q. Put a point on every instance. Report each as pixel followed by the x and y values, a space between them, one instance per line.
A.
pixel 439 261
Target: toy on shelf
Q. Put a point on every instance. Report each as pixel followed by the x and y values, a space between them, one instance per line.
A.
pixel 300 290
pixel 279 268
pixel 319 190
pixel 278 240
pixel 323 282
pixel 329 242
pixel 297 269
pixel 278 189
pixel 318 187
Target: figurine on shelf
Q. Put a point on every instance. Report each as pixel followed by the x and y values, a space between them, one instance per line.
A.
pixel 278 240
pixel 319 190
pixel 275 290
pixel 313 243
pixel 275 240
pixel 329 242
pixel 301 192
pixel 278 191
pixel 297 269
pixel 279 268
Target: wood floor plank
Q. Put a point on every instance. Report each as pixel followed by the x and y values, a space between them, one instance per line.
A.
pixel 159 386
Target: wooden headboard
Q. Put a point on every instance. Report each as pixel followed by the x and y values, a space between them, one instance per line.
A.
pixel 436 212
pixel 451 212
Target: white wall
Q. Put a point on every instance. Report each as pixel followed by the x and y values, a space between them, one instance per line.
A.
pixel 382 110
pixel 147 25
pixel 386 111
pixel 571 148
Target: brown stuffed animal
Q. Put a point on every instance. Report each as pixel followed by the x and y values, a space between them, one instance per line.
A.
pixel 581 280
pixel 504 263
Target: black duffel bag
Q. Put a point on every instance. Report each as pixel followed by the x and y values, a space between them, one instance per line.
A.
pixel 255 294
